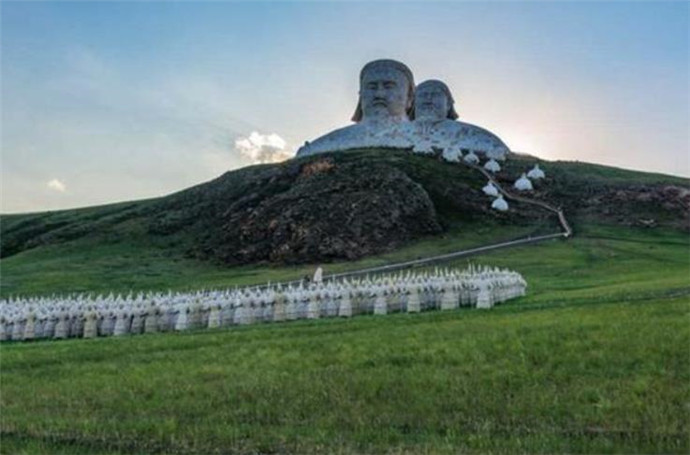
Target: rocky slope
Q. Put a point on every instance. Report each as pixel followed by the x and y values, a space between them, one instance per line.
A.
pixel 339 206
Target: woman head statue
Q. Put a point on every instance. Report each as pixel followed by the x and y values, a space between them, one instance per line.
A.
pixel 433 101
pixel 386 90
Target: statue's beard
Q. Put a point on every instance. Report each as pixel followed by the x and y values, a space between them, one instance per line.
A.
pixel 379 110
pixel 381 114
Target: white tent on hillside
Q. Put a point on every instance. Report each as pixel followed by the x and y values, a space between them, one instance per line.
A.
pixel 523 183
pixel 452 154
pixel 492 166
pixel 499 204
pixel 471 158
pixel 490 190
pixel 536 173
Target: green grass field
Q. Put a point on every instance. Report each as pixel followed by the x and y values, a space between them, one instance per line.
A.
pixel 594 359
pixel 91 264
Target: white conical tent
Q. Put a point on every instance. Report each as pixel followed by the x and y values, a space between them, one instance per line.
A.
pixel 499 204
pixel 536 173
pixel 523 183
pixel 471 158
pixel 490 190
pixel 492 166
pixel 452 154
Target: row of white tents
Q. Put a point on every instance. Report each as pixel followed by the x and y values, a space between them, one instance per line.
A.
pixel 524 183
pixel 494 153
pixel 92 316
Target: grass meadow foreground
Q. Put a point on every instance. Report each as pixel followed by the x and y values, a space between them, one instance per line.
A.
pixel 594 359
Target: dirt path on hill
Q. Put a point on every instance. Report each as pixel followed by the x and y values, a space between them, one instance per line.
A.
pixel 438 259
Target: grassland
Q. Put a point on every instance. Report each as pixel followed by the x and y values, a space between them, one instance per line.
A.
pixel 595 359
pixel 91 264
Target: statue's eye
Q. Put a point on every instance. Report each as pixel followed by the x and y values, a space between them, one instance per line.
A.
pixel 371 86
pixel 389 84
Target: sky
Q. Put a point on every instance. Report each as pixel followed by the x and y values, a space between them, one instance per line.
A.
pixel 112 101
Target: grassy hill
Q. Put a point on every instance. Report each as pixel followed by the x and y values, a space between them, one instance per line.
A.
pixel 593 360
pixel 187 240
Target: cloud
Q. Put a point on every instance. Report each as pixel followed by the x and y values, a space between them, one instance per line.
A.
pixel 56 185
pixel 263 148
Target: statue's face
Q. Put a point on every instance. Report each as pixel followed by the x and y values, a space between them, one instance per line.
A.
pixel 384 93
pixel 430 102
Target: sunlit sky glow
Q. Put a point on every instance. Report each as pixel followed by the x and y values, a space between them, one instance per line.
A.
pixel 112 101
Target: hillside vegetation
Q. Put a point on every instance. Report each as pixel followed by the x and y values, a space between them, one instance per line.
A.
pixel 349 210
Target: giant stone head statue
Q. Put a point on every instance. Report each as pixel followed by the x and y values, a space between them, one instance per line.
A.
pixel 386 90
pixel 433 101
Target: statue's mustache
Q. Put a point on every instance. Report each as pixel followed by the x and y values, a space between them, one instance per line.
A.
pixel 378 100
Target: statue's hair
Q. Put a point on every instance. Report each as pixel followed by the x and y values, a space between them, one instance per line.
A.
pixel 357 117
pixel 451 114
